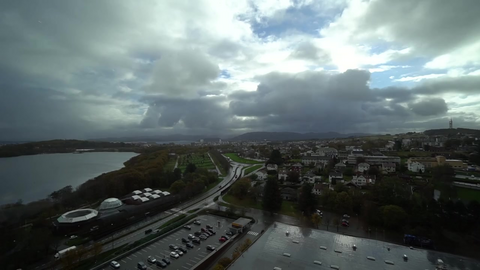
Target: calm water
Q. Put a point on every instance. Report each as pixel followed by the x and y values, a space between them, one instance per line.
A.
pixel 34 177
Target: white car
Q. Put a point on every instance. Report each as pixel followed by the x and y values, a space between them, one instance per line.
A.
pixel 173 254
pixel 179 252
pixel 115 265
pixel 73 237
pixel 191 236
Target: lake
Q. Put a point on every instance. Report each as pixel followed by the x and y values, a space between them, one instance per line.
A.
pixel 30 178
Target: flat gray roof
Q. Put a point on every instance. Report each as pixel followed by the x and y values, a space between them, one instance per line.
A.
pixel 241 222
pixel 305 248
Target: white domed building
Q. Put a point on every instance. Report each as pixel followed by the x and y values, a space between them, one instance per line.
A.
pixel 109 205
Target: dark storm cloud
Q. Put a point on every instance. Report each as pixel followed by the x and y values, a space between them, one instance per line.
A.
pixel 308 51
pixel 429 107
pixel 430 26
pixel 469 85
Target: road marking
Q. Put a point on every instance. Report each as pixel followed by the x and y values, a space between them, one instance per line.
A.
pixel 185 267
pixel 129 258
pixel 188 264
pixel 149 248
pixel 134 255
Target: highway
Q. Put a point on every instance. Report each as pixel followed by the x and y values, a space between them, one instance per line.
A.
pixel 134 233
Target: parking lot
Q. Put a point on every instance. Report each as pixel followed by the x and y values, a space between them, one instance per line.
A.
pixel 160 249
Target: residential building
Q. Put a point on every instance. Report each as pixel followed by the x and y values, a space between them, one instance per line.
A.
pixel 338 176
pixel 261 175
pixel 363 167
pixel 288 194
pixel 342 155
pixel 307 160
pixel 388 168
pixel 272 167
pixel 318 189
pixel 340 167
pixel 327 152
pixel 363 180
pixel 430 162
pixel 282 175
pixel 296 167
pixel 416 166
pixel 382 159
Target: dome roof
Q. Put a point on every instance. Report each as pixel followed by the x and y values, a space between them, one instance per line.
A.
pixel 110 203
pixel 77 216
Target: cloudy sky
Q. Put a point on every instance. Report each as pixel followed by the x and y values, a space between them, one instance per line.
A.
pixel 90 69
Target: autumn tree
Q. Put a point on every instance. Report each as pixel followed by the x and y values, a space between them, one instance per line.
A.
pixel 393 216
pixel 316 219
pixel 240 188
pixel 177 186
pixel 225 261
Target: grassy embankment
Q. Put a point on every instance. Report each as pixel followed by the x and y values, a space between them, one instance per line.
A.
pixel 238 159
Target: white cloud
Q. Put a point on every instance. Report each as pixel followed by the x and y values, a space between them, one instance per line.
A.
pixel 419 78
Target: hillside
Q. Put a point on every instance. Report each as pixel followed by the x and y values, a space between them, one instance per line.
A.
pixel 453 131
pixel 290 136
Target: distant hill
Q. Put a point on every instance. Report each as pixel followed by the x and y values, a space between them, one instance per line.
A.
pixel 453 131
pixel 291 136
pixel 159 138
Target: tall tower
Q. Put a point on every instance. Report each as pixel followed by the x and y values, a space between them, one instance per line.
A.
pixel 450 124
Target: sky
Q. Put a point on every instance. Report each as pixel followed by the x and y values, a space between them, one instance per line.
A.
pixel 96 69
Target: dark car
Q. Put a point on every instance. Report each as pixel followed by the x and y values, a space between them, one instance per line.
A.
pixel 161 264
pixel 198 233
pixel 148 231
pixel 224 236
pixel 229 233
pixel 212 231
pixel 189 245
pixel 184 250
pixel 208 233
pixel 210 247
pixel 185 240
pixel 188 227
pixel 204 230
pixel 222 239
pixel 203 237
pixel 209 227
pixel 165 260
pixel 196 222
pixel 173 247
pixel 344 224
pixel 141 266
pixel 196 240
pixel 151 259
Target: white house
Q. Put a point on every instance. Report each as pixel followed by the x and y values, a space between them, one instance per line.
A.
pixel 282 176
pixel 327 152
pixel 338 176
pixel 388 168
pixel 362 180
pixel 272 167
pixel 261 175
pixel 363 167
pixel 416 167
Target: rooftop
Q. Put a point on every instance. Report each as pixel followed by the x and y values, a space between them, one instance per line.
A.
pixel 313 246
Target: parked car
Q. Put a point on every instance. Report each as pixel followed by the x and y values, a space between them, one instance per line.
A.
pixel 346 216
pixel 151 259
pixel 173 254
pixel 179 252
pixel 210 247
pixel 224 236
pixel 188 227
pixel 229 233
pixel 346 221
pixel 222 239
pixel 191 236
pixel 197 222
pixel 196 240
pixel 141 266
pixel 189 245
pixel 209 227
pixel 94 228
pixel 156 231
pixel 204 230
pixel 198 233
pixel 166 260
pixel 161 264
pixel 203 237
pixel 208 233
pixel 115 264
pixel 344 224
pixel 148 231
pixel 185 240
pixel 73 237
pixel 184 250
pixel 212 231
pixel 172 247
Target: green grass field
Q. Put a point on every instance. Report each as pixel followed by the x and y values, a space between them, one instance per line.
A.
pixel 200 160
pixel 468 194
pixel 238 159
pixel 288 208
pixel 170 164
pixel 252 168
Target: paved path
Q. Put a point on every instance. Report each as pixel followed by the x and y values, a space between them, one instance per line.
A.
pixel 218 170
pixel 176 162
